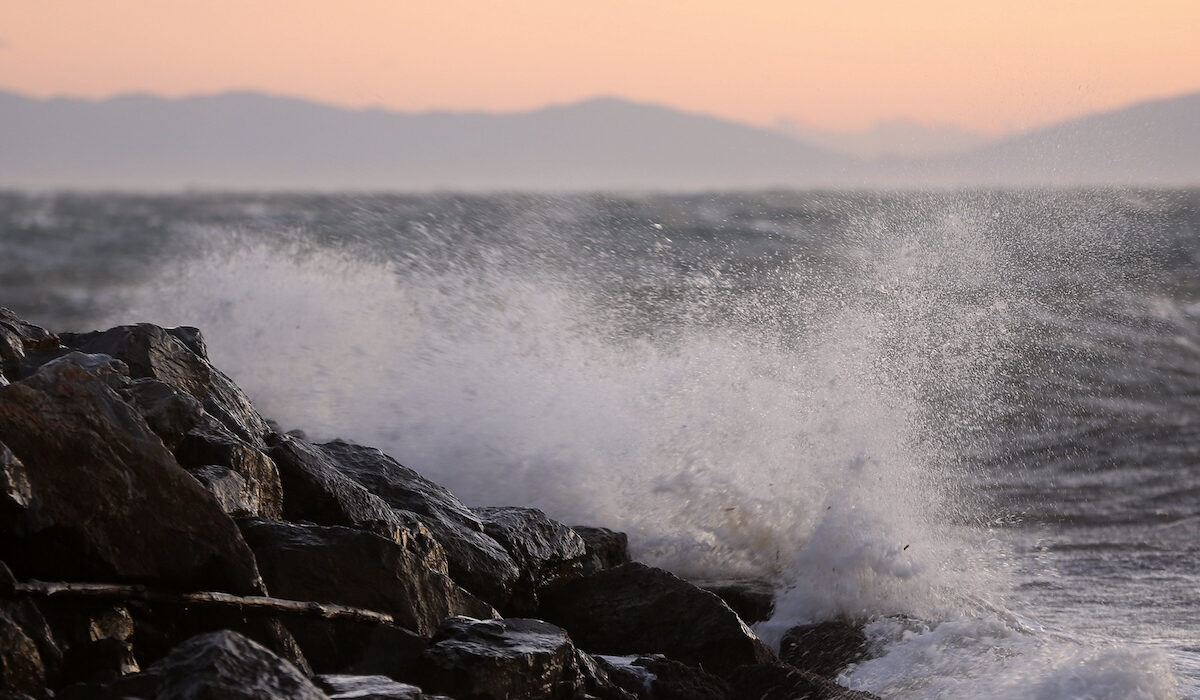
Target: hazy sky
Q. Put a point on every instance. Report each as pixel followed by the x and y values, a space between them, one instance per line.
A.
pixel 990 65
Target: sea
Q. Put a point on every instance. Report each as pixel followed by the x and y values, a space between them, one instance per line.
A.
pixel 969 420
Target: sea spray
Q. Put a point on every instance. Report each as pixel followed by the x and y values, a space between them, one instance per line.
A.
pixel 814 395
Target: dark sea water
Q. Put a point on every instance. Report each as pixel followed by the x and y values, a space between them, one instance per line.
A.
pixel 970 418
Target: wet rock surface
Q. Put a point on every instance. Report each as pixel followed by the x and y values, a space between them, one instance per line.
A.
pixel 352 567
pixel 637 609
pixel 752 600
pixel 544 550
pixel 510 658
pixel 136 516
pixel 125 457
pixel 824 648
pixel 477 562
pixel 222 665
pixel 604 548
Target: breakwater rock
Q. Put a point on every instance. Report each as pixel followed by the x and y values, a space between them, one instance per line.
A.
pixel 159 538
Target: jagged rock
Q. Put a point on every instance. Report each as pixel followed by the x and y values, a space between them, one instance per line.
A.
pixel 33 625
pixel 114 372
pixel 223 665
pixel 605 548
pixel 477 562
pixel 16 493
pixel 634 680
pixel 21 668
pixel 824 648
pixel 95 639
pixel 353 567
pixel 315 490
pixel 636 609
pixel 229 489
pixel 510 658
pixel 171 413
pixel 782 682
pixel 672 680
pixel 170 356
pixel 31 336
pixel 599 680
pixel 192 339
pixel 345 687
pixel 346 646
pixel 12 353
pixel 107 502
pixel 161 627
pixel 212 443
pixel 544 551
pixel 752 600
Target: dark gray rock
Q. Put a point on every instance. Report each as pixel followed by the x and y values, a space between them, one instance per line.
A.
pixel 21 667
pixel 112 371
pixel 477 562
pixel 510 658
pixel 824 648
pixel 346 687
pixel 16 493
pixel 544 551
pixel 170 356
pixel 12 354
pixel 672 680
pixel 605 548
pixel 140 518
pixel 225 665
pixel 636 609
pixel 32 337
pixel 212 443
pixel 315 490
pixel 171 413
pixel 229 489
pixel 361 648
pixel 357 568
pixel 752 600
pixel 783 682
pixel 94 637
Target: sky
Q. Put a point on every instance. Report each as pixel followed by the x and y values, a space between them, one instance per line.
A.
pixel 991 66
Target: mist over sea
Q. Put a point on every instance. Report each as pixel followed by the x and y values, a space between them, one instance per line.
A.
pixel 972 418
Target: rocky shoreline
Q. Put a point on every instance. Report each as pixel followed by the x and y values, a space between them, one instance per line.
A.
pixel 162 539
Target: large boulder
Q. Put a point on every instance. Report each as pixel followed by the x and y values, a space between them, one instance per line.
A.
pixel 349 687
pixel 31 337
pixel 637 609
pixel 316 491
pixel 21 667
pixel 223 665
pixel 212 443
pixel 499 659
pixel 824 648
pixel 177 357
pixel 352 567
pixel 605 548
pixel 752 599
pixel 106 500
pixel 783 682
pixel 544 550
pixel 170 412
pixel 477 562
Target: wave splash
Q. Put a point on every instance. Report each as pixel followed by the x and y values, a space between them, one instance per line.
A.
pixel 804 425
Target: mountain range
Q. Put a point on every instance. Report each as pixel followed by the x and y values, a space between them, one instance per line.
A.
pixel 248 140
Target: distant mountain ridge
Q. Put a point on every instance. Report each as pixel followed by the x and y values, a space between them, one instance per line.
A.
pixel 249 140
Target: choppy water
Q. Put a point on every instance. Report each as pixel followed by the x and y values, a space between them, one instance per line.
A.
pixel 973 418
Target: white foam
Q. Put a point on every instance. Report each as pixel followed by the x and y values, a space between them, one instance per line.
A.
pixel 990 658
pixel 825 460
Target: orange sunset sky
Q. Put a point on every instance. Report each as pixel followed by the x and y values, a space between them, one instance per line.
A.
pixel 989 66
